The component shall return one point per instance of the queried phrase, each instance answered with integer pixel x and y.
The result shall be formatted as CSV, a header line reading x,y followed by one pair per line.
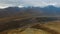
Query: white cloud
x,y
41,3
21,6
21,3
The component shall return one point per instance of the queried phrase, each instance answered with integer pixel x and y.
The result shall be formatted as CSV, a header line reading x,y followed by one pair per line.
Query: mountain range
x,y
33,11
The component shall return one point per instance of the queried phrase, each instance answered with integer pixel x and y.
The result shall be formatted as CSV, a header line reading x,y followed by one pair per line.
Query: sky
x,y
22,3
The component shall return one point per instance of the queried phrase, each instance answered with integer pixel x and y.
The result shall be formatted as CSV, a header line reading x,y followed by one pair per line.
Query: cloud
x,y
41,3
21,3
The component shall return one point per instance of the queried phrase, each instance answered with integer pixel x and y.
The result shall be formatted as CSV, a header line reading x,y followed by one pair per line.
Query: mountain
x,y
33,11
12,18
51,10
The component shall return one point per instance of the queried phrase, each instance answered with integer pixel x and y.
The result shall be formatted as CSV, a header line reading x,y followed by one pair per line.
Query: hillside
x,y
47,28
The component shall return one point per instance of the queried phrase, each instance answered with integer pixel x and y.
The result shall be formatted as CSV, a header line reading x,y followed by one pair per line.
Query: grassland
x,y
29,25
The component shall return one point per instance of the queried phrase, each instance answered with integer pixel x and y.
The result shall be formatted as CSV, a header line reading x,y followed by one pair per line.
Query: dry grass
x,y
55,25
47,28
42,27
